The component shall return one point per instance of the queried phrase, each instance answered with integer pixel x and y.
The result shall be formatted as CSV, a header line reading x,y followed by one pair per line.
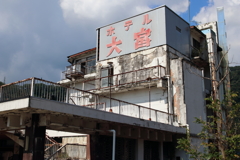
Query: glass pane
x,y
104,73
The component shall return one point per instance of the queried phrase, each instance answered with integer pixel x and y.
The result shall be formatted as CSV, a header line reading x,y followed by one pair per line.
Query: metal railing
x,y
40,88
51,146
196,52
78,70
131,77
69,151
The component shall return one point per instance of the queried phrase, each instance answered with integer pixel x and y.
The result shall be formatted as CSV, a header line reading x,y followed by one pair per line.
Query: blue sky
x,y
195,6
37,36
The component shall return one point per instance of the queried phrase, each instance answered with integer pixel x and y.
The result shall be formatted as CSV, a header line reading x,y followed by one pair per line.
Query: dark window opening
x,y
196,44
86,66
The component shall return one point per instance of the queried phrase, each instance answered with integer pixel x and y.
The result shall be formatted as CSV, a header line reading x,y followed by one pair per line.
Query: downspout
x,y
169,98
169,86
114,141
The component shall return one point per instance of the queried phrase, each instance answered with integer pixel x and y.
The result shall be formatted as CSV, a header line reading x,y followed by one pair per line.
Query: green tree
x,y
235,80
210,137
1,83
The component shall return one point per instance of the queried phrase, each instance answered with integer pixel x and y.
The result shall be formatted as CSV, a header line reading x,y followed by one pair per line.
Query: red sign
x,y
113,46
141,38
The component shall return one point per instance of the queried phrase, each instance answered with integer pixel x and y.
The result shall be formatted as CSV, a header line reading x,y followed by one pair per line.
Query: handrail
x,y
125,73
62,148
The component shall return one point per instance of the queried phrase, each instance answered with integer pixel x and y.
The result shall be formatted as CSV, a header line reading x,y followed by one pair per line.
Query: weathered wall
x,y
75,151
80,140
176,72
135,61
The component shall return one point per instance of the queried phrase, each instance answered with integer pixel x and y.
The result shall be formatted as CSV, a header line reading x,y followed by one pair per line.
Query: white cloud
x,y
37,36
231,11
108,11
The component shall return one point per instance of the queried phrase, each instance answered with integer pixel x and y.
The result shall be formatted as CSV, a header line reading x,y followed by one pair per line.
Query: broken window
x,y
86,65
107,77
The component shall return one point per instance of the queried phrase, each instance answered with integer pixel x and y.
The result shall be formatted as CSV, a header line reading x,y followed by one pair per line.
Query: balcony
x,y
199,57
78,71
133,79
38,88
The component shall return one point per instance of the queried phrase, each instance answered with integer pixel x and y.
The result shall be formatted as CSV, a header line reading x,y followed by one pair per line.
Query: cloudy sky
x,y
37,36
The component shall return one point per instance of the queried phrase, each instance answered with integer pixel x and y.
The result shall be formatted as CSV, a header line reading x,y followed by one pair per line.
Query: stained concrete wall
x,y
75,151
177,90
126,63
134,61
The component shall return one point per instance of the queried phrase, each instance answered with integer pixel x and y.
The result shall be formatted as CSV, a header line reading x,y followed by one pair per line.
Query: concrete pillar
x,y
34,140
140,149
161,150
88,156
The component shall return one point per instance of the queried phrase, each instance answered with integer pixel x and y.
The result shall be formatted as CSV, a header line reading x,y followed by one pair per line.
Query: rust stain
x,y
176,101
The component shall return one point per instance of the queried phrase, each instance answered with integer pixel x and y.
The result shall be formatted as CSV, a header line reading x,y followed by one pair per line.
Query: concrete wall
x,y
134,61
158,99
126,63
177,90
75,151
194,96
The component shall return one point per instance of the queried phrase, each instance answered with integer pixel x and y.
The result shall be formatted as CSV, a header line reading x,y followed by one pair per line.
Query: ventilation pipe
x,y
114,141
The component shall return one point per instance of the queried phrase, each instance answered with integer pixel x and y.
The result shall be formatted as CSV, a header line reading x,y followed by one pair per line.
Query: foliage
x,y
235,80
227,136
1,83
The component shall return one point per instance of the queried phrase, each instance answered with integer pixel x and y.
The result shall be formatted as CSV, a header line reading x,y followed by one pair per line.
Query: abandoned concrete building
x,y
133,95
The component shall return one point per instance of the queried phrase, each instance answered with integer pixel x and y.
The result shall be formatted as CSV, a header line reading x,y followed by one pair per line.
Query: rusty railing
x,y
77,70
128,78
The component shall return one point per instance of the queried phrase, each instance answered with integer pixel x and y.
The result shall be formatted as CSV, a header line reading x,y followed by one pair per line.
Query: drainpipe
x,y
114,141
187,132
169,98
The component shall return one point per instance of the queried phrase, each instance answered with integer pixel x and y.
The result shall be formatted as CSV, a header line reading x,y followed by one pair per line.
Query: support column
x,y
88,156
34,140
161,150
140,149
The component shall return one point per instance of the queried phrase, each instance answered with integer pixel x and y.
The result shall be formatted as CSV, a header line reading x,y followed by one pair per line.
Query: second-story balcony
x,y
135,79
78,71
199,56
42,89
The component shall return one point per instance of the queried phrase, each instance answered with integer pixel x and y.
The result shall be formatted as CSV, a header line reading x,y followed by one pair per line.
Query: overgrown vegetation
x,y
211,136
1,83
235,80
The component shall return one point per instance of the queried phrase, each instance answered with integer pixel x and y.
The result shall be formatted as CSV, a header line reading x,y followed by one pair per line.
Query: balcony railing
x,y
131,77
36,87
78,70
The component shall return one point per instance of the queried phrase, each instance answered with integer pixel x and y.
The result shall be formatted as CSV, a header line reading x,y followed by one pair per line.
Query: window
x,y
178,29
86,65
196,44
107,74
